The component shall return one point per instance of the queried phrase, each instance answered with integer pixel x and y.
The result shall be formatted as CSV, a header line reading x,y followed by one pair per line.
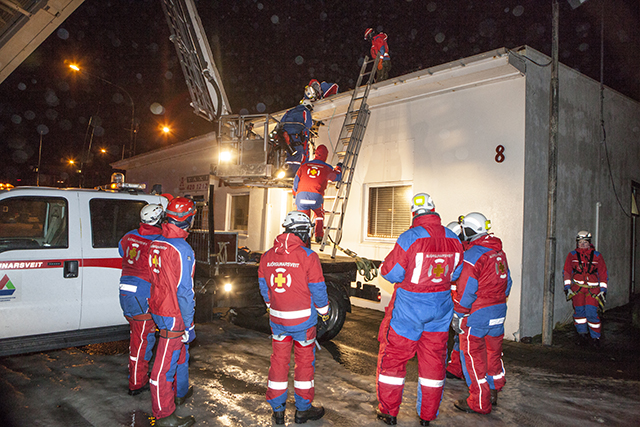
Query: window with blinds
x,y
389,211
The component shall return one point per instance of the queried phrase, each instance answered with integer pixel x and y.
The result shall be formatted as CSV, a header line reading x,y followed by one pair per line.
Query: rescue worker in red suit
x,y
135,289
479,314
585,284
310,184
379,48
172,305
316,91
454,365
294,129
423,263
292,285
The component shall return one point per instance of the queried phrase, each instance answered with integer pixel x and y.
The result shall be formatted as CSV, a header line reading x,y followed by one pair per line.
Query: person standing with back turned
x,y
172,305
423,263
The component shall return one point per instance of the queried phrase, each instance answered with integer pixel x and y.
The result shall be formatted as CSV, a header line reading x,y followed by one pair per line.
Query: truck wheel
x,y
338,313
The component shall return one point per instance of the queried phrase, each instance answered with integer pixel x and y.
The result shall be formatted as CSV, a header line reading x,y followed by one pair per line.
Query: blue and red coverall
x,y
297,123
454,365
292,285
309,186
135,289
481,304
423,263
172,305
326,90
380,48
585,273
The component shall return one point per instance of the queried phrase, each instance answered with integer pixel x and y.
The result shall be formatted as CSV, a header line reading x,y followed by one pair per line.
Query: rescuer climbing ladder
x,y
350,140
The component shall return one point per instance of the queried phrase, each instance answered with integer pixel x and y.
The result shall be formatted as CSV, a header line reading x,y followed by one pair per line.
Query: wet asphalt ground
x,y
561,385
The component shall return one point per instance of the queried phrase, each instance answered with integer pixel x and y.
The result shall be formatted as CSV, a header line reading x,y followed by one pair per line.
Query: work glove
x,y
189,335
455,324
323,325
339,165
602,296
569,293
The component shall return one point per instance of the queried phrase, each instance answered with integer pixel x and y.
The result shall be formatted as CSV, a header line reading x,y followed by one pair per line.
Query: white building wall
x,y
445,145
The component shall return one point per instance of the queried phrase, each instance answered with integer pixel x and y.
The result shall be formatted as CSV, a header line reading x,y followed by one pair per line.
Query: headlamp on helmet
x,y
474,225
421,204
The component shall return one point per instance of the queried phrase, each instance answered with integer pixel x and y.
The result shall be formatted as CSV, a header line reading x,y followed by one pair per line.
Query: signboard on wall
x,y
197,184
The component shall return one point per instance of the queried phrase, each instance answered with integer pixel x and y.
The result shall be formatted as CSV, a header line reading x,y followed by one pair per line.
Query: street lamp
x,y
75,67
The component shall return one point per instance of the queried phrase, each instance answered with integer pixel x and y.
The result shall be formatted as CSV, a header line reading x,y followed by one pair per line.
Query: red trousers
x,y
454,365
395,351
318,219
171,353
482,365
141,341
303,343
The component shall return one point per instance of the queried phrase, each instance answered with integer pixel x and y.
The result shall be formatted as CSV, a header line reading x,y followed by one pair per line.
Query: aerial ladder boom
x,y
208,97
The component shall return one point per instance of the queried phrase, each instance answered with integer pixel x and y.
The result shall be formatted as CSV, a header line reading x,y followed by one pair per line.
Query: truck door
x,y
40,254
110,216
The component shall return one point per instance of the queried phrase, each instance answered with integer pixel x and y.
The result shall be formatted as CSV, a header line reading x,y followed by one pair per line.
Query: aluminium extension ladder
x,y
350,140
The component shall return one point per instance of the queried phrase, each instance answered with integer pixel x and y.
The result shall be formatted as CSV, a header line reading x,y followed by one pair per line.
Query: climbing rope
x,y
366,268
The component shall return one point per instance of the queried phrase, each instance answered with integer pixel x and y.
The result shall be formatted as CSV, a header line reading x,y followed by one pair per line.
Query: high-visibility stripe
x,y
390,380
135,359
128,288
303,385
580,320
567,282
593,325
430,383
152,382
499,376
298,314
307,342
278,385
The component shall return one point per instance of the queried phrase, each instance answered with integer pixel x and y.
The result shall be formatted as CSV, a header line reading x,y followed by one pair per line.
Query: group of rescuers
x,y
455,276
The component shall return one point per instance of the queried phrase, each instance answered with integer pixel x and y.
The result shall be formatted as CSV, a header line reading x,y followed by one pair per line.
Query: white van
x,y
60,267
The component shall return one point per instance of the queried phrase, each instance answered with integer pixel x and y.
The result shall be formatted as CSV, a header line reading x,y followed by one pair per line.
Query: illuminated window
x,y
239,212
389,211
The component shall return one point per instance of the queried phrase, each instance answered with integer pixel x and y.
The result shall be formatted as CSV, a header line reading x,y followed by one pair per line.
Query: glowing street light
x,y
75,67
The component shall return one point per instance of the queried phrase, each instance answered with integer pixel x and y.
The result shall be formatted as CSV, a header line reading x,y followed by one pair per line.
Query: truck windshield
x,y
33,223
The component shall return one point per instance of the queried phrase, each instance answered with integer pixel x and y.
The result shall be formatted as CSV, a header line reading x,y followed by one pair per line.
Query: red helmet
x,y
180,209
368,33
321,153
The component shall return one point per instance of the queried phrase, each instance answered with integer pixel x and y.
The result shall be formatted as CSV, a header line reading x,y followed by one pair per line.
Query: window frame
x,y
365,208
229,212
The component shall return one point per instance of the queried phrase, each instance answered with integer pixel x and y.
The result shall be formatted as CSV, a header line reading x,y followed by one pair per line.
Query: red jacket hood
x,y
171,231
148,230
286,243
489,241
427,220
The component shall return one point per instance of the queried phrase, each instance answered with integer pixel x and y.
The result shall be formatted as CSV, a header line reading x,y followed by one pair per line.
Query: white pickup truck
x,y
60,267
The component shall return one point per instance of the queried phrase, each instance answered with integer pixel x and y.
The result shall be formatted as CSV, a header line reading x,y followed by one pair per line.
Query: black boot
x,y
452,376
494,397
424,422
175,421
595,342
278,417
463,406
137,391
313,413
388,419
180,400
583,339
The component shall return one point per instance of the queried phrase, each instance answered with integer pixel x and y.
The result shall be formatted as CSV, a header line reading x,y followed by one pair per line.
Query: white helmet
x,y
298,223
583,235
474,225
310,93
307,103
456,228
151,214
422,203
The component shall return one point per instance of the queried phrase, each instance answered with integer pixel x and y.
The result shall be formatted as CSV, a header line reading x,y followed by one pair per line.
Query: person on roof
x,y
585,284
310,184
135,289
424,262
316,91
480,309
172,305
293,288
379,49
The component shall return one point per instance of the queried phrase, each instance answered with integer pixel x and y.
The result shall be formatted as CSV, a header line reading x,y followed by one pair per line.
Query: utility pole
x,y
552,189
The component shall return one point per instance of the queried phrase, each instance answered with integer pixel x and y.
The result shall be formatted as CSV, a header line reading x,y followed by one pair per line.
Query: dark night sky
x,y
266,53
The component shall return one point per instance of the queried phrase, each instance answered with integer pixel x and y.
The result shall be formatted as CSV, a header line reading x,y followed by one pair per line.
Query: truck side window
x,y
111,219
34,223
